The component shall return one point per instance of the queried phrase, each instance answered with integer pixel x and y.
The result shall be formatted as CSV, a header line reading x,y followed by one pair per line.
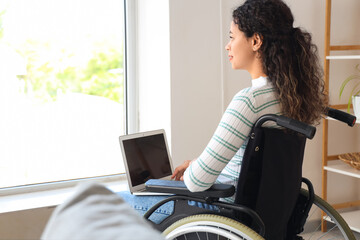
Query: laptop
x,y
146,156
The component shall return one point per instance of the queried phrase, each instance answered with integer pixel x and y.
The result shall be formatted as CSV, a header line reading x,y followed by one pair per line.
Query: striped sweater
x,y
220,162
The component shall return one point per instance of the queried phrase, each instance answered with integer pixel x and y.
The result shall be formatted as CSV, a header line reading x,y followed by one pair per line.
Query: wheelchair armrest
x,y
179,187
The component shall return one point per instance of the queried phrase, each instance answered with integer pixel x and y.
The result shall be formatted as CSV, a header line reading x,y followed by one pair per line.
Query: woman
x,y
287,80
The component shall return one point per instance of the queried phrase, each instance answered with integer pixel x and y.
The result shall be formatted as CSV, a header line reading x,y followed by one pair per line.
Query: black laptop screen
x,y
147,158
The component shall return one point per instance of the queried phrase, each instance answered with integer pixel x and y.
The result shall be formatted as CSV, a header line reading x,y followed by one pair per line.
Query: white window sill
x,y
48,198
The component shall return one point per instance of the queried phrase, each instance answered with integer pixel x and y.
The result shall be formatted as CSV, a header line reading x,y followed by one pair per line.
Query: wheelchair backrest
x,y
270,177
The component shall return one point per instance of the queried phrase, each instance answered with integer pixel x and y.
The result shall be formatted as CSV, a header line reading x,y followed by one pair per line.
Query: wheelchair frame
x,y
254,227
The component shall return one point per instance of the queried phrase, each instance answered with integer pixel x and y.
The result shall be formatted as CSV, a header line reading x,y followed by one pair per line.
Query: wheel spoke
x,y
340,230
219,227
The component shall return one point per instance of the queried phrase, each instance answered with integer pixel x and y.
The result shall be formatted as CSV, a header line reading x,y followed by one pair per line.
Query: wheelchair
x,y
270,202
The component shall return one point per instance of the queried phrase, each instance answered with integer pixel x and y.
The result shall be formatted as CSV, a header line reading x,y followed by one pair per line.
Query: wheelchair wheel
x,y
338,230
208,226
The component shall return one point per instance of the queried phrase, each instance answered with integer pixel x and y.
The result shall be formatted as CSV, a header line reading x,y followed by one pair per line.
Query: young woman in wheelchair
x,y
286,80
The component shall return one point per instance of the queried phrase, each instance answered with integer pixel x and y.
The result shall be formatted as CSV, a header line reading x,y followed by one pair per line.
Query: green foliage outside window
x,y
51,70
100,75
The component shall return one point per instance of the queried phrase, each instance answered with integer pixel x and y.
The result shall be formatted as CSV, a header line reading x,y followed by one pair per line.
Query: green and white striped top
x,y
220,162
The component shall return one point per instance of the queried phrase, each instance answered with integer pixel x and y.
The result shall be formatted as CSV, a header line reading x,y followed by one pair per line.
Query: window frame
x,y
130,76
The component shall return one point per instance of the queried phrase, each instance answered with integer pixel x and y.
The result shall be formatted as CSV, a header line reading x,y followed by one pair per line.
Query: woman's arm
x,y
230,134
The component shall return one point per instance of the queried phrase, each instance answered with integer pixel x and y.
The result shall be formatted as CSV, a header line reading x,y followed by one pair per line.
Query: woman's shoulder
x,y
257,91
267,91
258,98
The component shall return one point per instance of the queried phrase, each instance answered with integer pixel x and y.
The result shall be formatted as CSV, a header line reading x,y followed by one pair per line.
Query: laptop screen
x,y
147,158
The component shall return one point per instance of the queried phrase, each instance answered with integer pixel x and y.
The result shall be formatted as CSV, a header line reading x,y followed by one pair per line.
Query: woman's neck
x,y
256,70
255,76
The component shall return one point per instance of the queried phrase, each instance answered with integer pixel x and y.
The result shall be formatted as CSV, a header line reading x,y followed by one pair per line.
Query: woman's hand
x,y
179,171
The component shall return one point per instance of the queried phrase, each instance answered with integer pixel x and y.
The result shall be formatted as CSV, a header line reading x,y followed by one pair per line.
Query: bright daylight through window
x,y
61,94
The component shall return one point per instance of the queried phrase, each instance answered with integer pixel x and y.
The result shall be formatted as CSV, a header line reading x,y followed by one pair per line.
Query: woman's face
x,y
240,49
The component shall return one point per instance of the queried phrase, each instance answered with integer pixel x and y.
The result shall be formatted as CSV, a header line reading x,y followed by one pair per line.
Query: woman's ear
x,y
256,41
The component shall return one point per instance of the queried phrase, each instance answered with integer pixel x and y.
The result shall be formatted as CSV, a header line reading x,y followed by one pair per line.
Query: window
x,y
62,89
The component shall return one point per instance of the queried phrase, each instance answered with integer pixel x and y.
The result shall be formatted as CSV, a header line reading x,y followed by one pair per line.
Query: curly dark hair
x,y
288,56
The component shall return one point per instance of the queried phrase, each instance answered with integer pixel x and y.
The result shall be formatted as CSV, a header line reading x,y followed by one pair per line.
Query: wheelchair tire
x,y
202,225
340,229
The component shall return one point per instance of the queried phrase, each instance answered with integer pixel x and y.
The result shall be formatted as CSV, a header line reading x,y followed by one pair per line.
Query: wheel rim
x,y
338,230
219,225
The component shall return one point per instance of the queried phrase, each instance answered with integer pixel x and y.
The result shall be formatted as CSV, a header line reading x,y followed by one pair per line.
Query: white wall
x,y
22,225
202,83
196,88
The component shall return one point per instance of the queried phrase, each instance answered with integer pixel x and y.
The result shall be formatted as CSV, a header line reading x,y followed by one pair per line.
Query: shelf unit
x,y
343,57
331,163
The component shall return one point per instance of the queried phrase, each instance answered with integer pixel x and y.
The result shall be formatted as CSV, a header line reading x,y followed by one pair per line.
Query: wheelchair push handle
x,y
297,126
341,116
